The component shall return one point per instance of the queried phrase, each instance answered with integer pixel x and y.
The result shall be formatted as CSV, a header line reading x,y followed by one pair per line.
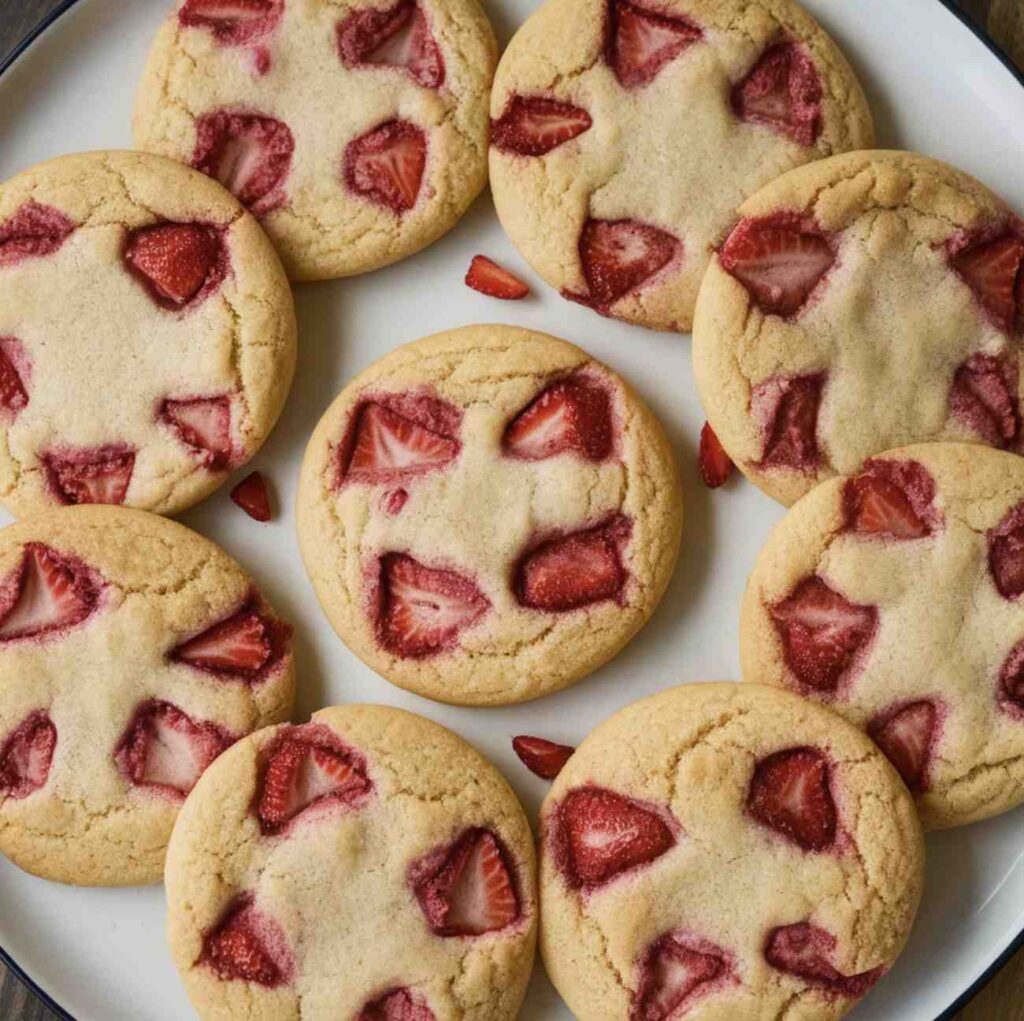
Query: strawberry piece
x,y
787,407
99,475
249,154
204,424
32,232
890,499
487,277
805,950
251,495
574,570
534,125
574,414
674,972
26,756
715,464
782,91
394,500
1011,682
993,268
423,609
598,835
642,41
790,793
166,750
823,634
13,377
396,1005
248,946
386,165
907,735
47,592
1006,554
395,37
984,398
233,22
176,261
467,888
617,256
245,645
545,758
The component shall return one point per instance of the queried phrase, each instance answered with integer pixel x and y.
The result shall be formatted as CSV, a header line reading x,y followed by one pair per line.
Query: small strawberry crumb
x,y
489,278
540,756
715,464
251,495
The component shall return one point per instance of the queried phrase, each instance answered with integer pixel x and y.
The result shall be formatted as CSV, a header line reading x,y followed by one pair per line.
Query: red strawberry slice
x,y
26,756
487,277
617,256
423,609
984,398
823,634
599,835
1011,682
386,444
907,736
674,972
574,570
386,165
534,125
396,1005
394,500
890,499
165,749
396,37
1006,554
467,889
783,92
993,269
790,793
806,951
233,22
251,495
100,475
13,377
176,261
642,41
787,407
248,946
32,232
204,424
715,464
545,758
572,415
249,154
243,646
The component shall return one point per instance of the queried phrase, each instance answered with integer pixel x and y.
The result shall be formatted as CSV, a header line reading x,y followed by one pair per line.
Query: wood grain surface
x,y
1003,998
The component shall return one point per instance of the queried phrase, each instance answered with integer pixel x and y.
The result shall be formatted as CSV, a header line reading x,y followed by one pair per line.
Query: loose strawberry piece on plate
x,y
993,268
396,1005
26,756
783,92
790,793
395,37
822,633
251,495
674,971
890,499
907,736
1006,554
177,261
805,950
244,645
386,165
787,407
233,22
386,444
489,278
574,414
101,475
13,367
203,423
534,125
642,41
1011,682
32,232
423,609
715,464
984,398
545,758
617,256
599,834
248,946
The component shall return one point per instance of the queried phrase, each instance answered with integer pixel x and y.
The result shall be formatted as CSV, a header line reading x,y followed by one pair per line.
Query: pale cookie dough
x,y
725,851
895,597
147,334
488,515
862,303
625,134
132,652
368,865
355,130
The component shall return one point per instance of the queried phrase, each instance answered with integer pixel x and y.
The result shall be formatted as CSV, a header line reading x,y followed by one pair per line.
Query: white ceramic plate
x,y
933,85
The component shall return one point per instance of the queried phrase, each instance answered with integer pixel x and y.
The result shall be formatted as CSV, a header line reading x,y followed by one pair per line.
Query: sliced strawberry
x,y
423,609
251,495
396,37
675,971
599,834
573,414
907,736
249,154
203,423
26,756
545,758
783,92
806,951
890,499
97,475
984,398
1011,682
642,41
617,256
394,500
489,278
993,269
790,793
1006,554
534,125
386,165
248,946
233,22
467,889
396,1005
13,377
823,634
177,261
787,408
32,232
243,646
715,464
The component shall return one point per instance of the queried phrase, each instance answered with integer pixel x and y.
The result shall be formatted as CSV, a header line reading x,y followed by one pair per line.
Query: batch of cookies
x,y
490,514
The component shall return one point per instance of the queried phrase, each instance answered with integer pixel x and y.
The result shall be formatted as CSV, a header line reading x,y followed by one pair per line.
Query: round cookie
x,y
624,134
487,515
862,303
356,131
132,652
147,337
722,851
894,597
369,864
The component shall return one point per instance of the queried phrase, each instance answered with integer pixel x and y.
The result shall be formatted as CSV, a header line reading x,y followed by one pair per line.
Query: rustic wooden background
x,y
1003,998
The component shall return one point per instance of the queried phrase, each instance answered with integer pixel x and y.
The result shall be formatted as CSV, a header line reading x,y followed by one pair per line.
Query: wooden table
x,y
1003,998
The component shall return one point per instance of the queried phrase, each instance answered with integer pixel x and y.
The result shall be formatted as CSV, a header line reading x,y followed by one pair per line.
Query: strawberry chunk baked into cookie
x,y
894,596
869,301
487,515
132,653
624,134
147,334
356,131
725,851
368,864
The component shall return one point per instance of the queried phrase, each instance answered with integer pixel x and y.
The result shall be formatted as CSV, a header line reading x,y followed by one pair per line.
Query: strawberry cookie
x,y
356,130
132,653
725,851
624,134
488,515
368,865
894,596
868,301
147,338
